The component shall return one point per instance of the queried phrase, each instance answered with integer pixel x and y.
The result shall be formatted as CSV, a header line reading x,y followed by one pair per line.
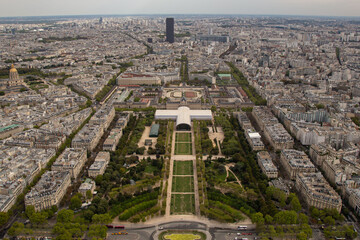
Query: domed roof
x,y
13,69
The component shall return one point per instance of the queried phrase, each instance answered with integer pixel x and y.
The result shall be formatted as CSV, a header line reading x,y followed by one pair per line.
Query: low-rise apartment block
x,y
72,160
263,116
99,165
316,192
103,116
49,191
254,139
88,137
278,137
266,164
112,140
296,162
243,120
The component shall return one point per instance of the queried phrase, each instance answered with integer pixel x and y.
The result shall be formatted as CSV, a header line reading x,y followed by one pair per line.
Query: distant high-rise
x,y
100,20
170,30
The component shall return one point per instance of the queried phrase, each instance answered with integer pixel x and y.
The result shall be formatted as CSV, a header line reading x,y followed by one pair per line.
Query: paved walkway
x,y
227,174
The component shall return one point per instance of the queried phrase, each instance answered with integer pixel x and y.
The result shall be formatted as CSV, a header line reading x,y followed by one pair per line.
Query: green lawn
x,y
183,168
183,137
185,236
183,184
182,204
149,169
183,148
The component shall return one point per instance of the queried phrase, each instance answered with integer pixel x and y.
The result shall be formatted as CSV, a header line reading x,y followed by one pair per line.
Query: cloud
x,y
79,7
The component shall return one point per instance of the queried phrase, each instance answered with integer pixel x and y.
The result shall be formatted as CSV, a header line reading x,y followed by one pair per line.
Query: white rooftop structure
x,y
183,116
254,135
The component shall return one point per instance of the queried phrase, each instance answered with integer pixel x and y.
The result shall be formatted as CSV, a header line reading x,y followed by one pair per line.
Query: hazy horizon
x,y
330,8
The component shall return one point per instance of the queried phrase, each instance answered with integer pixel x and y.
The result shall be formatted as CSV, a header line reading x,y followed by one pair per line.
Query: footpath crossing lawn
x,y
183,168
183,137
183,184
182,204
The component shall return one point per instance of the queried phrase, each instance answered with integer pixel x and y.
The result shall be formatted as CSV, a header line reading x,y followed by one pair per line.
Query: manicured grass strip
x,y
183,168
183,148
182,234
186,236
183,184
183,137
182,204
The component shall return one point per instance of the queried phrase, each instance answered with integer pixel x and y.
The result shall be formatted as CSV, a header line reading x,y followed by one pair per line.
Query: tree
x,y
59,228
16,229
306,229
257,218
29,211
213,108
4,217
38,218
102,206
75,202
2,93
303,218
88,214
64,236
329,221
101,218
286,217
97,231
315,213
295,204
88,194
301,236
268,219
65,216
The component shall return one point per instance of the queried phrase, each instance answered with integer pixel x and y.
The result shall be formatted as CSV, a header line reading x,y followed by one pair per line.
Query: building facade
x,y
49,191
170,38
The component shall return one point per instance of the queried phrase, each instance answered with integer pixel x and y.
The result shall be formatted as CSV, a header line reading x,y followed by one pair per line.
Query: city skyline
x,y
143,7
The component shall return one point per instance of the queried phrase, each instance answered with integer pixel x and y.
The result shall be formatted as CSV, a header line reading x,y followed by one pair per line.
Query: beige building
x,y
316,192
266,164
263,116
138,79
88,137
103,116
88,185
318,153
99,165
49,191
112,140
72,160
254,139
9,130
278,137
295,162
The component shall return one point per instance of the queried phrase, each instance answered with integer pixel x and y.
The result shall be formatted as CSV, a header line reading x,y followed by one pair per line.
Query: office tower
x,y
170,30
100,20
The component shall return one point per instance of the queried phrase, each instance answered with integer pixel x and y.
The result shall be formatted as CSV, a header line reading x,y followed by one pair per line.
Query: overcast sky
x,y
83,7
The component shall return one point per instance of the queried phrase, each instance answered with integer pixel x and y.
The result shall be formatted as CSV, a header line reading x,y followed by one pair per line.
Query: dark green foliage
x,y
250,90
75,202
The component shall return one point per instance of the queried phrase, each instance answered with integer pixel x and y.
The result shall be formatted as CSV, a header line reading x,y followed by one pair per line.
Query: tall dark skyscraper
x,y
170,30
